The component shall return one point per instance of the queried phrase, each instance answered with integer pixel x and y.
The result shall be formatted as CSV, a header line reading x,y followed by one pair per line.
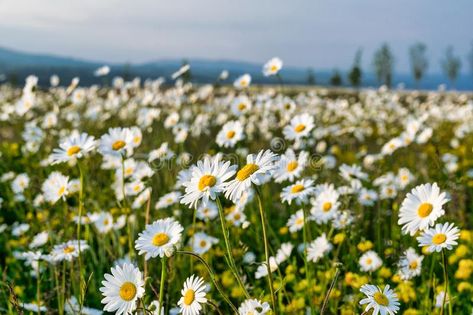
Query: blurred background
x,y
420,44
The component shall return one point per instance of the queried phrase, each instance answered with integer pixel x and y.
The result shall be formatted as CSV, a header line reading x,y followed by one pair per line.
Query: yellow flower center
x,y
439,238
160,239
381,299
117,145
241,106
237,216
203,243
369,261
127,291
61,190
413,265
68,249
292,166
299,221
73,150
189,297
244,83
207,181
297,188
404,178
246,171
424,209
299,128
230,134
274,68
106,222
327,206
137,188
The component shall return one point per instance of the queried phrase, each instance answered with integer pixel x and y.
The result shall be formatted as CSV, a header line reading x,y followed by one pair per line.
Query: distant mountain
x,y
15,66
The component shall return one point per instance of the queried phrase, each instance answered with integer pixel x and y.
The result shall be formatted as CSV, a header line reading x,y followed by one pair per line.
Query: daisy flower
x,y
255,171
73,147
272,67
300,191
300,126
296,221
254,307
116,142
370,261
55,187
231,133
241,105
68,251
159,238
201,242
439,237
122,289
350,172
242,82
410,264
318,248
289,166
325,205
208,179
381,301
193,296
168,200
207,211
421,208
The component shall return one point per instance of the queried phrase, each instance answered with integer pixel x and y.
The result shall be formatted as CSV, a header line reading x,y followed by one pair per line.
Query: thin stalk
x,y
212,277
446,290
79,222
228,247
38,288
266,251
148,205
306,264
327,295
161,284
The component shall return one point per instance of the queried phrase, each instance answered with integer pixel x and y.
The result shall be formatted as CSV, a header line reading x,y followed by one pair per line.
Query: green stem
x,y
306,264
447,287
79,222
266,251
228,247
38,288
161,284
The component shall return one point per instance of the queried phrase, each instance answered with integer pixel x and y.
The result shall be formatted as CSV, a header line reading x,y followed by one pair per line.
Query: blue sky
x,y
319,34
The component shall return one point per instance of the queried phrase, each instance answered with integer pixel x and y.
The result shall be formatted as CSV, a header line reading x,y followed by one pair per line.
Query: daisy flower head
x,y
257,169
73,147
381,301
122,289
370,261
299,127
242,82
272,67
193,296
68,251
209,178
55,187
290,166
207,211
254,307
159,238
116,142
231,133
439,237
296,221
421,208
351,172
300,191
410,264
325,205
241,105
318,248
201,242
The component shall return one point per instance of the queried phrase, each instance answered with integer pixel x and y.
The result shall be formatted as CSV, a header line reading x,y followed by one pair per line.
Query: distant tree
x,y
383,63
126,75
451,65
336,79
355,74
186,76
311,77
470,59
419,62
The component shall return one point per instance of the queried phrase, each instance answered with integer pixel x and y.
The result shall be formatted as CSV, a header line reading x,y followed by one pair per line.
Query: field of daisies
x,y
159,197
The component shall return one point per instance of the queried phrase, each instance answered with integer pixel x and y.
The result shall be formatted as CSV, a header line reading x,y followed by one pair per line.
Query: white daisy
x,y
207,211
168,200
254,307
318,248
73,147
242,82
370,261
201,242
255,171
421,208
230,134
325,205
439,237
410,264
68,251
193,296
300,191
208,179
241,105
116,142
300,126
272,67
122,289
159,238
381,301
289,166
296,221
55,187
